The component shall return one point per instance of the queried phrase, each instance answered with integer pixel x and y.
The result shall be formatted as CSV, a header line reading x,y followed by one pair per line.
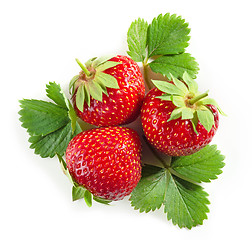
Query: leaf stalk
x,y
146,77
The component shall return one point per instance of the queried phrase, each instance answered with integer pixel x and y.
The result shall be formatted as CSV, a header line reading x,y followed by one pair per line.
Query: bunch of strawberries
x,y
104,162
107,160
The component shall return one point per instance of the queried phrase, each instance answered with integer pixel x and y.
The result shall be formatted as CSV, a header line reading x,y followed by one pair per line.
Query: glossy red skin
x,y
123,105
176,137
106,161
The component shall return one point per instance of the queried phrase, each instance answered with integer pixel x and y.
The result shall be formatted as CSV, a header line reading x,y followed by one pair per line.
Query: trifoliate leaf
x,y
201,166
167,87
167,38
167,34
51,126
41,117
175,65
80,97
206,118
150,191
137,39
185,203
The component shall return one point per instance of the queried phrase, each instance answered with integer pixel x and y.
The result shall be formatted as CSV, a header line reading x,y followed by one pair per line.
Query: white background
x,y
39,42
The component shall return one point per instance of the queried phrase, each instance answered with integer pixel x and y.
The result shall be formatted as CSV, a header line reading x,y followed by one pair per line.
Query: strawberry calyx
x,y
92,81
79,191
189,102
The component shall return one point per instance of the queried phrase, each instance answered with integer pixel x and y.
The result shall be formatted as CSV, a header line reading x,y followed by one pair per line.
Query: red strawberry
x,y
177,119
106,161
108,93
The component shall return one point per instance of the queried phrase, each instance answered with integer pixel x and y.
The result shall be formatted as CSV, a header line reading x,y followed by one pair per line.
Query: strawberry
x,y
108,92
177,119
106,161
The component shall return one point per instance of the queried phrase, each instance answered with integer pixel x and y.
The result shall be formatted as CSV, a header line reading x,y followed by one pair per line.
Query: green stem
x,y
162,161
83,67
145,73
197,98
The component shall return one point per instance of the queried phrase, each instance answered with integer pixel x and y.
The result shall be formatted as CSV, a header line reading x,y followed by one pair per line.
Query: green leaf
x,y
55,93
88,198
185,203
137,40
202,166
167,34
175,65
106,65
107,80
150,191
41,117
206,118
52,143
80,98
50,126
78,192
167,87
